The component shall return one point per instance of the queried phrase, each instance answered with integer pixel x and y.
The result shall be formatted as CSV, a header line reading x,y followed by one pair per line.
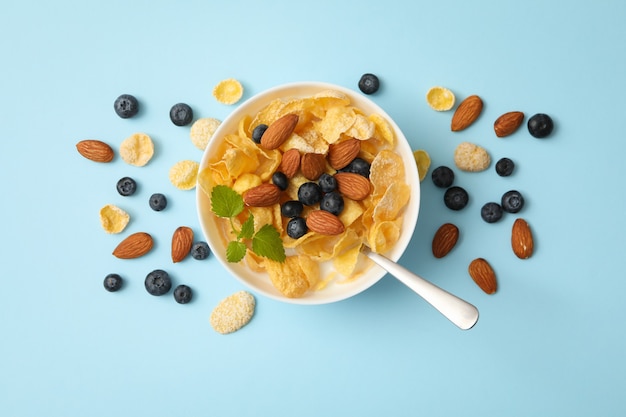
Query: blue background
x,y
549,342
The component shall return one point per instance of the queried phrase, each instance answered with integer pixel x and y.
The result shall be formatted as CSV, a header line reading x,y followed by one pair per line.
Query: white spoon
x,y
463,314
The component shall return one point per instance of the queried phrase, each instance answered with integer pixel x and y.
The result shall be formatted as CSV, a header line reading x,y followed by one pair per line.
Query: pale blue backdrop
x,y
550,342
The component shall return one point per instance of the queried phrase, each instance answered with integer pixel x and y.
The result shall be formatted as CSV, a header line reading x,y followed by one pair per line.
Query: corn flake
x,y
113,219
184,174
137,149
386,168
228,91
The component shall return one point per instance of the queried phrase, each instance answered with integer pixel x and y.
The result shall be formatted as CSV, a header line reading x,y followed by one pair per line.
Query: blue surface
x,y
551,341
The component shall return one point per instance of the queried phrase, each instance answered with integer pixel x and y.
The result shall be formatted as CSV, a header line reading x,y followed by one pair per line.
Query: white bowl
x,y
260,283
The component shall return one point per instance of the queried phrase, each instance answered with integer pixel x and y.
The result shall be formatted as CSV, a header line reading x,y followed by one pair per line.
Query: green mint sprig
x,y
266,242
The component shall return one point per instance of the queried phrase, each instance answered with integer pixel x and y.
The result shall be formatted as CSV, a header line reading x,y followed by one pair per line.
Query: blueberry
x,y
112,282
158,202
296,228
327,182
258,131
292,208
540,125
512,201
504,167
332,202
181,114
358,166
309,193
280,180
126,186
182,294
491,212
442,177
158,282
126,106
455,198
200,250
369,84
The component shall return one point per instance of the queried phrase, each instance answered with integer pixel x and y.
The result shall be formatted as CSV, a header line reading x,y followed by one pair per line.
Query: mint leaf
x,y
225,202
247,228
266,242
235,251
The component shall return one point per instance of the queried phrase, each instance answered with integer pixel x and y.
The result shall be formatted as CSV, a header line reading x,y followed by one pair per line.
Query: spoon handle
x,y
463,314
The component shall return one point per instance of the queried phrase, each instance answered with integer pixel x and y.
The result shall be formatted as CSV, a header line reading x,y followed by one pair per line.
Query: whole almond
x,y
182,239
263,195
342,153
508,123
324,223
445,239
354,186
467,112
522,239
95,150
290,164
483,275
312,165
279,131
134,246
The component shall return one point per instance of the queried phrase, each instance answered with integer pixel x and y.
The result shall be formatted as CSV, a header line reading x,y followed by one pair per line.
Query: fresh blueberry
x,y
158,202
512,201
369,84
296,228
182,294
540,125
280,180
112,282
327,182
332,202
158,282
181,114
455,198
126,106
358,166
504,167
257,132
309,193
200,250
491,212
126,186
292,208
442,177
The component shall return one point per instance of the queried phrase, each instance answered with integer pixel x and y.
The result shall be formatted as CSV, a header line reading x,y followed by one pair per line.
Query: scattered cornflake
x,y
440,98
422,159
228,91
113,219
202,131
184,174
233,312
137,149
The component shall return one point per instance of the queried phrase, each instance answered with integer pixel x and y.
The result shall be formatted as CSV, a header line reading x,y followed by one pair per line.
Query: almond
x,y
467,112
508,123
324,223
182,239
290,163
522,239
95,150
483,275
444,240
312,165
354,186
134,246
342,153
279,131
263,195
